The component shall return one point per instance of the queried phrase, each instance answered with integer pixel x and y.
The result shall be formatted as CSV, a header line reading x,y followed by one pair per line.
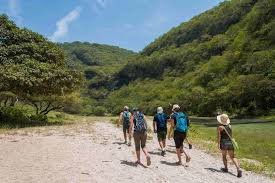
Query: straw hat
x,y
175,106
223,119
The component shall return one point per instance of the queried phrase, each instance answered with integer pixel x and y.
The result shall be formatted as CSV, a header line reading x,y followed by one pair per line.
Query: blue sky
x,y
130,24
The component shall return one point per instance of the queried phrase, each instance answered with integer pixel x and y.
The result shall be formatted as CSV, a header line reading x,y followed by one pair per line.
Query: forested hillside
x,y
223,59
98,62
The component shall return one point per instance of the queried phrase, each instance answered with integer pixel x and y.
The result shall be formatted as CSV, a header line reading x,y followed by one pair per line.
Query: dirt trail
x,y
94,153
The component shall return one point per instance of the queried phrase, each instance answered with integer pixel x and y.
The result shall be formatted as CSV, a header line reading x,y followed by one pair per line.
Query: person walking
x,y
225,143
124,119
139,123
179,122
160,127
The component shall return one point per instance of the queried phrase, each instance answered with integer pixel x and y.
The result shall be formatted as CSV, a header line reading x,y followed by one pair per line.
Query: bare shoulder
x,y
220,128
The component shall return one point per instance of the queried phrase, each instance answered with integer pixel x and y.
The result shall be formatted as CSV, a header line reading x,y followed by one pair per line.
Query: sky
x,y
130,24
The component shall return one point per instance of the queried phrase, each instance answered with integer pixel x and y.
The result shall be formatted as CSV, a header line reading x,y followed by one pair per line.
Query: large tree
x,y
32,67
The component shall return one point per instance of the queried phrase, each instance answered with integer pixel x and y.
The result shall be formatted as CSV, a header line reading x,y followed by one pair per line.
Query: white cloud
x,y
63,24
14,11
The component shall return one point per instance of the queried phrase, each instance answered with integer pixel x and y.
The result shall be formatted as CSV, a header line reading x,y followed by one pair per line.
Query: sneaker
x,y
188,159
129,144
190,146
240,173
162,153
224,170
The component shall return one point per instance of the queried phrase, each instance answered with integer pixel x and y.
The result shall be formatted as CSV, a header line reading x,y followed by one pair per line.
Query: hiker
x,y
186,138
139,122
160,127
179,122
225,143
124,118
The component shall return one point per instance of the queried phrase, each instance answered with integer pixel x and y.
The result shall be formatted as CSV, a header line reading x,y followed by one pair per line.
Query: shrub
x,y
99,111
39,118
13,116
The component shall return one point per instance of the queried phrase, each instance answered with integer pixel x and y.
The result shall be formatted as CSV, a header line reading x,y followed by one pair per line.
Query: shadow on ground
x,y
216,170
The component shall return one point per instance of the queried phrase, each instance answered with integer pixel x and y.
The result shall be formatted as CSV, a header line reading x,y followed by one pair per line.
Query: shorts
x,y
162,135
226,144
140,140
179,137
126,128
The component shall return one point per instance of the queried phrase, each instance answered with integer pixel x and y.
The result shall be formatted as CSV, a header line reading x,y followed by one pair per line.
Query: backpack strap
x,y
227,133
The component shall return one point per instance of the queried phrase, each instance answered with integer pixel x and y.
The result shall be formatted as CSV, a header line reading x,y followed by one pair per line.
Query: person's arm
x,y
145,120
155,125
131,123
219,137
119,120
172,125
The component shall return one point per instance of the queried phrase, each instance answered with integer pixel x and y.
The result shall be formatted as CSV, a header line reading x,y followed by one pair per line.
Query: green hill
x,y
98,62
223,59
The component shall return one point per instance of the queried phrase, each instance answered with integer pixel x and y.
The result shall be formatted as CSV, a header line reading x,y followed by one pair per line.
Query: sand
x,y
93,152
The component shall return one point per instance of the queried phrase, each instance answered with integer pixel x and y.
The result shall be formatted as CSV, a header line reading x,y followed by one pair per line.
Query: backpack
x,y
181,119
161,121
126,117
140,124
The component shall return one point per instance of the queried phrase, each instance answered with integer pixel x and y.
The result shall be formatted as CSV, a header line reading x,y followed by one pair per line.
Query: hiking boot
x,y
162,153
129,144
224,170
190,146
240,173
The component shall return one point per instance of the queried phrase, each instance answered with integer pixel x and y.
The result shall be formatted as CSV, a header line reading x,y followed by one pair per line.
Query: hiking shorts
x,y
162,135
179,137
226,144
140,140
126,128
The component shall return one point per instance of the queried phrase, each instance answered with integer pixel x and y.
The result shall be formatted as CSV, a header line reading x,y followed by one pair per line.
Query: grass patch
x,y
256,141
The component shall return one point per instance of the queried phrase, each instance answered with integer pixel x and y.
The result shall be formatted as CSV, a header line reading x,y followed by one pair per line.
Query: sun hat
x,y
175,106
223,119
159,110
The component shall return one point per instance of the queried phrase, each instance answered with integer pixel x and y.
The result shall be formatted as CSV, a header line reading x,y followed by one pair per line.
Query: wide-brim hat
x,y
175,106
223,119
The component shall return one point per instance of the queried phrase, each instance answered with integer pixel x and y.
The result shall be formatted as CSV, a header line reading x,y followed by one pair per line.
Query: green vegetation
x,y
223,59
32,71
253,144
99,62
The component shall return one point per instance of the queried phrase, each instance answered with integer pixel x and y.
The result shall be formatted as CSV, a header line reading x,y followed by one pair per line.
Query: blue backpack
x,y
126,117
161,121
140,124
181,119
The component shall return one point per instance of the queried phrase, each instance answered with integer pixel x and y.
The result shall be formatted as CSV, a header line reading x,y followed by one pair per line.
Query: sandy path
x,y
94,153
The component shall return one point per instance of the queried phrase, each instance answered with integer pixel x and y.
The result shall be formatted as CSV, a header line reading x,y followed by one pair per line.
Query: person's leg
x,y
188,142
160,141
178,146
143,146
224,154
236,163
124,134
184,151
129,136
137,145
